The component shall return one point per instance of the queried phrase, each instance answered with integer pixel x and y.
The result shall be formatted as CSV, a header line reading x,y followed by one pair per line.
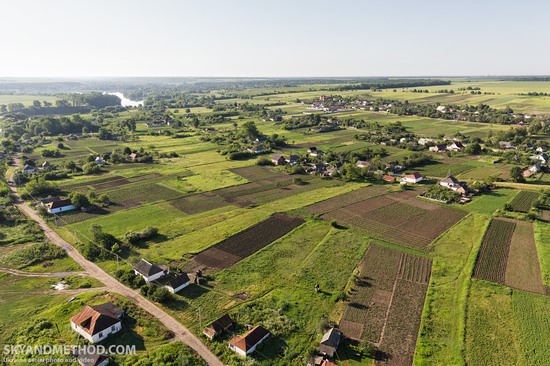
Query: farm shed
x,y
329,342
218,326
178,283
278,159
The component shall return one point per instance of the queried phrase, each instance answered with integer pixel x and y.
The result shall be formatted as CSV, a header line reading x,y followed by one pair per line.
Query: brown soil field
x,y
523,268
385,306
399,217
110,184
239,246
399,339
346,199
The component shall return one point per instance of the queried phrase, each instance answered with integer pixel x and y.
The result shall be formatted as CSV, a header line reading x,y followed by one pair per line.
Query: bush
x,y
34,254
297,169
264,161
133,237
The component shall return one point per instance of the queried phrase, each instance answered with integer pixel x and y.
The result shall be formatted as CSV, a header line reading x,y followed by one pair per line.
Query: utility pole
x,y
200,317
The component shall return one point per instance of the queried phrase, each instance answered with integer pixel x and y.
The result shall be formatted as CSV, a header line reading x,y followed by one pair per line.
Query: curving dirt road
x,y
17,272
180,331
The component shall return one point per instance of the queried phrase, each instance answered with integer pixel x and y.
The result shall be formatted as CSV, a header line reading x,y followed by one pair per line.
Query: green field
x,y
299,284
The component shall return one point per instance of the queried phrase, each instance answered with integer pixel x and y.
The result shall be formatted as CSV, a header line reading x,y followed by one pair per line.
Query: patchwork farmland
x,y
508,256
247,242
386,303
396,217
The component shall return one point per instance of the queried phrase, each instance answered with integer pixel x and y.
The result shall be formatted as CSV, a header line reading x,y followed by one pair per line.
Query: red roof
x,y
250,339
414,175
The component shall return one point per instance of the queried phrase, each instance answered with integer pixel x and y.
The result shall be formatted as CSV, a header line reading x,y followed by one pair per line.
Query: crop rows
x,y
493,255
524,200
247,242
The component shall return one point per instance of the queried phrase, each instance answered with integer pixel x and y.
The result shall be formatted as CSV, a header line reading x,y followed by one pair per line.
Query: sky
x,y
282,38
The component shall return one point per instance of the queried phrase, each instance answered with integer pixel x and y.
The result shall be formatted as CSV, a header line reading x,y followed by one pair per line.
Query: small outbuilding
x,y
178,283
218,326
329,342
278,159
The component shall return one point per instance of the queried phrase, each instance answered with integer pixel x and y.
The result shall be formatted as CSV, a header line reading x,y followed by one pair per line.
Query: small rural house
x,y
533,169
542,149
46,165
28,169
543,158
149,272
99,160
312,151
454,184
133,156
92,359
449,181
278,159
247,343
293,159
179,282
329,342
218,326
61,205
505,145
455,146
95,323
257,149
364,164
438,148
412,178
389,178
424,140
441,109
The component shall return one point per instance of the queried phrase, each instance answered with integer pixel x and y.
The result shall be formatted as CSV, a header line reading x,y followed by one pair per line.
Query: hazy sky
x,y
273,38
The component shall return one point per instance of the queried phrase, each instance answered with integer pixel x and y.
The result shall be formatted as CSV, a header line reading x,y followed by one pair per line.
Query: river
x,y
125,102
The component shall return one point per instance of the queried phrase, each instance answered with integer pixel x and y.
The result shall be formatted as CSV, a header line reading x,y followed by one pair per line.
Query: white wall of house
x,y
243,353
154,277
174,290
99,336
411,180
62,209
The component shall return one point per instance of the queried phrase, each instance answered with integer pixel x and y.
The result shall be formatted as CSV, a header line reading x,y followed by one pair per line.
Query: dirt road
x,y
180,331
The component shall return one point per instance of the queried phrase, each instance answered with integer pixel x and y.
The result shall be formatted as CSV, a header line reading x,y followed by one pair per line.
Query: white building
x,y
246,344
95,323
60,206
149,272
412,178
178,283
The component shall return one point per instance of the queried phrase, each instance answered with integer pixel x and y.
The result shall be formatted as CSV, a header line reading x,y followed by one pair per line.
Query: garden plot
x,y
239,246
385,306
397,217
508,256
